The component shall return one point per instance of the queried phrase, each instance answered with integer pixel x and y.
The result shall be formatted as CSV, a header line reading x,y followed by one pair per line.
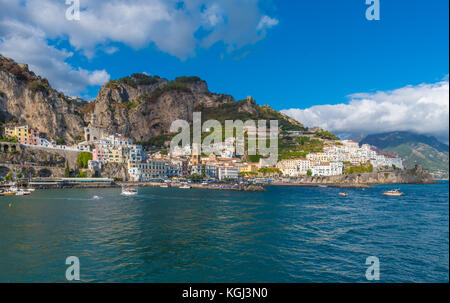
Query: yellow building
x,y
24,134
249,168
118,155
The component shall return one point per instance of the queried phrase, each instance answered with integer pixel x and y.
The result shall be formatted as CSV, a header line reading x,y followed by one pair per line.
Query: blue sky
x,y
320,52
288,54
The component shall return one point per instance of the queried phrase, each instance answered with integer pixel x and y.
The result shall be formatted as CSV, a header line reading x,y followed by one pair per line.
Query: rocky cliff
x,y
414,175
142,106
414,149
28,99
139,106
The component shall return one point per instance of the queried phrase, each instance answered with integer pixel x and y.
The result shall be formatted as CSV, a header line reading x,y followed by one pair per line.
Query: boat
x,y
343,194
8,193
323,186
31,189
129,191
164,185
394,192
20,193
185,186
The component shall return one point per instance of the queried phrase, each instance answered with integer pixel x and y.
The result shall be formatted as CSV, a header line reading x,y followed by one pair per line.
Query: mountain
x,y
139,106
426,151
28,98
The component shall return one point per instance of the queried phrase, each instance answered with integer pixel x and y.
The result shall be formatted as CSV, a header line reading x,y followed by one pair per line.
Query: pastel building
x,y
24,134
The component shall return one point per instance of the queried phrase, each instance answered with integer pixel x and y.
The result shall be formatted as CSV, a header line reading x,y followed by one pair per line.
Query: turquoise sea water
x,y
287,234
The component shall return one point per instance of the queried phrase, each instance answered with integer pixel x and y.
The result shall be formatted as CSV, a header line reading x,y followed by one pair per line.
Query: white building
x,y
294,167
45,143
227,172
327,168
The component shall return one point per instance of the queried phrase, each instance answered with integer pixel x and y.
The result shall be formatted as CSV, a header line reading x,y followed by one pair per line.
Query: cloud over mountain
x,y
172,26
423,109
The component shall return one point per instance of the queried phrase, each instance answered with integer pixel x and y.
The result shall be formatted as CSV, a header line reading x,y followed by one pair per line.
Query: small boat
x,y
20,193
8,193
164,185
323,186
129,191
96,198
31,189
343,194
185,186
394,192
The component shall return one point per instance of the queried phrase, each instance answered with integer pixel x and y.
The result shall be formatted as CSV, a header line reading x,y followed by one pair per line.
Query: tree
x,y
83,159
67,171
60,141
195,177
309,173
8,177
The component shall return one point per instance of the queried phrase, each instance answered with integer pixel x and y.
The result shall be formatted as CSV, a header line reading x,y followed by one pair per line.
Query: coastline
x,y
252,188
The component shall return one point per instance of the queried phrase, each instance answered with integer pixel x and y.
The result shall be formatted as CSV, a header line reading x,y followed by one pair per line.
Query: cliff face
x,y
414,175
144,111
139,106
414,149
28,99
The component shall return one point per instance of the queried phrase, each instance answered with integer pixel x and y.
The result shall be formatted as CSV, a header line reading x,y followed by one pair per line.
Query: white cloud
x,y
103,25
28,45
266,22
139,23
422,109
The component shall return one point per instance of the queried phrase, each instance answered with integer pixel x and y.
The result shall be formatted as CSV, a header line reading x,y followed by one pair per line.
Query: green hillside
x,y
414,149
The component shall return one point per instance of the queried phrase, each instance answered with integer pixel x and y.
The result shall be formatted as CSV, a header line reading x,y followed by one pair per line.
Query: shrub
x,y
38,86
60,141
8,177
82,174
326,135
83,159
185,79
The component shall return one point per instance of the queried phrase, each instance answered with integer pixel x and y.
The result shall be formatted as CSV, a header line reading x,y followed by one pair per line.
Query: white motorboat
x,y
393,193
20,192
164,185
129,191
185,186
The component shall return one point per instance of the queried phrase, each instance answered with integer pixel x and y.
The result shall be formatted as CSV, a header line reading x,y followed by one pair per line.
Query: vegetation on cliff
x,y
414,149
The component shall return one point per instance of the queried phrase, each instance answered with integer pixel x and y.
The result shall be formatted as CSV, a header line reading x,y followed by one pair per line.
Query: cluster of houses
x,y
28,136
331,161
183,162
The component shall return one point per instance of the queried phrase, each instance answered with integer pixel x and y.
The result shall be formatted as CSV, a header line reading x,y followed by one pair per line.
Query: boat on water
x,y
164,185
343,194
323,186
20,193
185,186
7,193
14,191
394,193
129,191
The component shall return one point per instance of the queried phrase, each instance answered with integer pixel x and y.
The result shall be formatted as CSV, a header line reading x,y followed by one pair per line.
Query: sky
x,y
321,62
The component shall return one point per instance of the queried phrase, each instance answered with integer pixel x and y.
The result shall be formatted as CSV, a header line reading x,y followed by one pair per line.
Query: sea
x,y
286,234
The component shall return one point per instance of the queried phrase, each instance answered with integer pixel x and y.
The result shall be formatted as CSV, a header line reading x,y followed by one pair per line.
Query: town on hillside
x,y
333,157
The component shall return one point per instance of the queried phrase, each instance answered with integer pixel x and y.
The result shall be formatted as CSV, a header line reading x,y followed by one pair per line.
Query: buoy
x,y
10,204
